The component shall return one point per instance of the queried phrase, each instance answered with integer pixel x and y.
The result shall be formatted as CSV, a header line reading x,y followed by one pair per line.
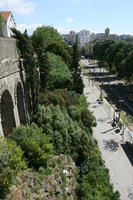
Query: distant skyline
x,y
67,15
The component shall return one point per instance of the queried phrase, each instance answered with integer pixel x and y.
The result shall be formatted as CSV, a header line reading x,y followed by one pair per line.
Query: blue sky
x,y
66,15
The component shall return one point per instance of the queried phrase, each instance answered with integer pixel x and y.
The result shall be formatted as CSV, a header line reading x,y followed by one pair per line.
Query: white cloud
x,y
63,30
29,27
32,27
22,7
69,19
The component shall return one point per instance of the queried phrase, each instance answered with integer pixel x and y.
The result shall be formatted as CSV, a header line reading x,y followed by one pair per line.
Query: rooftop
x,y
5,15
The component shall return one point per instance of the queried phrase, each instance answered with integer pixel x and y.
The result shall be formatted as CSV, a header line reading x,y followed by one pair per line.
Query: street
x,y
110,142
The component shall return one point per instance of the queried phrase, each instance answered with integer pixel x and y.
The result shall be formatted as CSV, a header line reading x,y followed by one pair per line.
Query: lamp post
x,y
120,105
101,94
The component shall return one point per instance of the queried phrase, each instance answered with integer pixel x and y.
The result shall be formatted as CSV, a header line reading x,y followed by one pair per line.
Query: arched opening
x,y
7,113
21,104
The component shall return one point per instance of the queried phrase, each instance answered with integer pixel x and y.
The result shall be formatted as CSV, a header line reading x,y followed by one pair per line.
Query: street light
x,y
120,104
101,93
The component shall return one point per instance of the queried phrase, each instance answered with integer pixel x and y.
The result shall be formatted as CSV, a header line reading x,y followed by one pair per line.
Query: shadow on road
x,y
114,91
129,151
110,145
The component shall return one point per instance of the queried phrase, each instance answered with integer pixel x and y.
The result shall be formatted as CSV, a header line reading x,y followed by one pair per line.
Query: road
x,y
110,142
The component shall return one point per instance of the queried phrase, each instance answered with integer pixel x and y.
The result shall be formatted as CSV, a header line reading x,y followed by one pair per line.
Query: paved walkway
x,y
120,168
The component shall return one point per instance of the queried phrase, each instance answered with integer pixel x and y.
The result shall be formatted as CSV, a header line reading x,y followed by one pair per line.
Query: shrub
x,y
59,76
35,144
11,162
82,115
67,136
95,182
61,97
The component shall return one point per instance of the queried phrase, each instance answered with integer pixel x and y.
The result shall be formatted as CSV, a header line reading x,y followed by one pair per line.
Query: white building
x,y
83,37
7,24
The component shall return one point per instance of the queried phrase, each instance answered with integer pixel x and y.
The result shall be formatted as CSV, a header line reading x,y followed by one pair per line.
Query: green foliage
x,y
59,76
11,162
44,68
60,49
43,36
95,183
67,136
35,144
82,115
100,48
75,104
26,51
1,24
78,83
126,69
63,98
117,54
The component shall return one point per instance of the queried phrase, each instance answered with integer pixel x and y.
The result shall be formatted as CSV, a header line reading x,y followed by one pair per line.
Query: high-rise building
x,y
83,37
66,38
72,37
107,31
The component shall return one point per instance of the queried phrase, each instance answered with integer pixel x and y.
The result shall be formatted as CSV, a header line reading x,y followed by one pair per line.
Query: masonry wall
x,y
8,49
10,75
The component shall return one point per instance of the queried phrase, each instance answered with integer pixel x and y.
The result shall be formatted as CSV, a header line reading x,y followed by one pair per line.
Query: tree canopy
x,y
43,36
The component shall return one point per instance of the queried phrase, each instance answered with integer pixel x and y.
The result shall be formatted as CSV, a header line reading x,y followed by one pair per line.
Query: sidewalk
x,y
120,168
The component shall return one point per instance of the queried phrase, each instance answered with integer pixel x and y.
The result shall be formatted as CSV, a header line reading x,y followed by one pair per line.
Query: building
x,y
83,37
114,36
8,22
123,37
72,37
99,36
107,31
92,36
66,38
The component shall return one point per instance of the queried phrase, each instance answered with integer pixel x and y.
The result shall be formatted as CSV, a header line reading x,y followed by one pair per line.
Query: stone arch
x,y
20,101
7,112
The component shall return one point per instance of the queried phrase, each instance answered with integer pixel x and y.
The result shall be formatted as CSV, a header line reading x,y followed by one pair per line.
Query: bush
x,y
82,115
11,162
61,49
67,136
61,97
95,182
35,144
75,104
59,75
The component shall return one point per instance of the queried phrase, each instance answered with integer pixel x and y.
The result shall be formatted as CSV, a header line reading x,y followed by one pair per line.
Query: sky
x,y
66,15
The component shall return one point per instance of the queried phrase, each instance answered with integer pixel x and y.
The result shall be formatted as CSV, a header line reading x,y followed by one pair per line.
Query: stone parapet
x,y
8,48
8,67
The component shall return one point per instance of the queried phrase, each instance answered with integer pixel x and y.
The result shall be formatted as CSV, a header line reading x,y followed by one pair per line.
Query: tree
x,y
122,51
100,48
67,136
59,48
11,163
44,68
78,82
59,75
126,69
34,143
1,24
26,52
43,36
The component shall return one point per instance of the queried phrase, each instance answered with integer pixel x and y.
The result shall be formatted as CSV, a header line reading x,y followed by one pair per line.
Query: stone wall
x,y
11,76
8,49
